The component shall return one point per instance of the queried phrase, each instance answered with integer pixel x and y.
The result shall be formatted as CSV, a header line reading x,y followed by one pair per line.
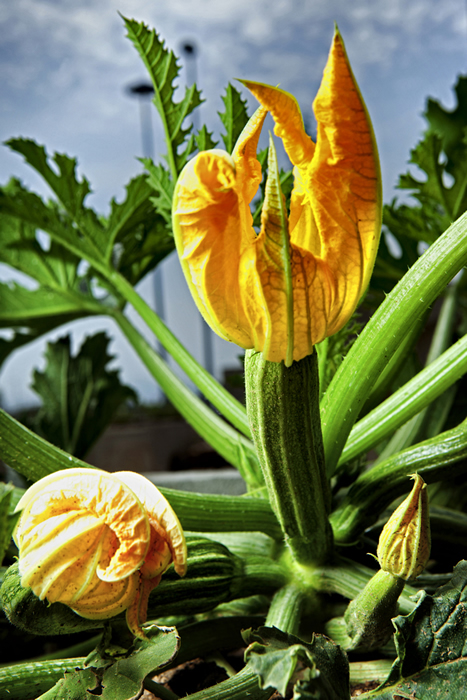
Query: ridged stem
x,y
283,410
286,609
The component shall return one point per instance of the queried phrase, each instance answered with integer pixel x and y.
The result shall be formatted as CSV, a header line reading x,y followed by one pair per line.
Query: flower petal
x,y
88,492
159,510
335,211
342,188
288,118
266,275
213,228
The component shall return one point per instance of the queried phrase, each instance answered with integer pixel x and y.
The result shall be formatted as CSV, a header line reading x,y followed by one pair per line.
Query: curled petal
x,y
97,499
165,525
213,228
106,599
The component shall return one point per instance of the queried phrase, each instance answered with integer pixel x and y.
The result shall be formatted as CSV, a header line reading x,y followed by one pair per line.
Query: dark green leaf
x,y
163,71
29,208
318,669
76,685
163,187
124,678
7,519
79,394
431,647
234,118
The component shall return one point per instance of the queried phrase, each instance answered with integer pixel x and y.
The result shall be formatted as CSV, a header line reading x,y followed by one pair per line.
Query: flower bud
x,y
404,544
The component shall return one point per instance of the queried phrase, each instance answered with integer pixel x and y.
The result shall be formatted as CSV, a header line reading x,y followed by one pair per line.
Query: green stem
x,y
440,341
227,441
27,680
409,400
286,609
228,406
374,490
217,513
361,671
283,409
348,578
379,340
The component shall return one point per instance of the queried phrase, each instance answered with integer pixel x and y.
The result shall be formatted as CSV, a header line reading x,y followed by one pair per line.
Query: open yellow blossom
x,y
97,542
300,279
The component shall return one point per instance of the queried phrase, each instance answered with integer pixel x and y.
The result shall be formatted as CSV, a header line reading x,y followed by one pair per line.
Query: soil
x,y
196,675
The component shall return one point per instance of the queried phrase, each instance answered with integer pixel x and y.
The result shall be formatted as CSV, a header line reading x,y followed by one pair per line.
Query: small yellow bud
x,y
404,544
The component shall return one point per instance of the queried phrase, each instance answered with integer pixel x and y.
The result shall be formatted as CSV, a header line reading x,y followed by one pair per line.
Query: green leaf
x,y
79,394
430,643
79,684
70,191
7,519
29,208
139,231
318,669
204,139
159,179
163,71
124,678
234,118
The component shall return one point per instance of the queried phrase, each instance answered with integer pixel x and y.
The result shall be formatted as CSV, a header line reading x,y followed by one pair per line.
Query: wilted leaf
x,y
318,669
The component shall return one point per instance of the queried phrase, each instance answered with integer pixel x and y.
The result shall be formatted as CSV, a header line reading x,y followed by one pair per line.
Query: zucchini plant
x,y
339,414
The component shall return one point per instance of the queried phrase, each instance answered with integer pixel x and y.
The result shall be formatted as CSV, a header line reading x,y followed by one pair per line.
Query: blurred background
x,y
71,80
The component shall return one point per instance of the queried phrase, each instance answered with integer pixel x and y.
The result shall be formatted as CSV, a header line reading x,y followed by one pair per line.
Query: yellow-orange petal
x,y
288,118
336,206
107,598
159,509
266,275
335,211
94,494
211,233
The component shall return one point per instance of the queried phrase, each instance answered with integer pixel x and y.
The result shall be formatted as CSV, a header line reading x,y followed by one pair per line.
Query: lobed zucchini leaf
x,y
79,394
234,118
163,70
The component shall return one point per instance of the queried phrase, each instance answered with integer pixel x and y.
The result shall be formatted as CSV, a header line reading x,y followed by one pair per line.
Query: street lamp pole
x,y
144,92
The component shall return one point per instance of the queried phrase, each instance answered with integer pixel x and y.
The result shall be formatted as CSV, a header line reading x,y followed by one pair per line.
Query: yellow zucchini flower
x,y
97,542
300,279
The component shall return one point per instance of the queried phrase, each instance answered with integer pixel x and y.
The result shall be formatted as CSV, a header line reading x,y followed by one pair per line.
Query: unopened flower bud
x,y
404,544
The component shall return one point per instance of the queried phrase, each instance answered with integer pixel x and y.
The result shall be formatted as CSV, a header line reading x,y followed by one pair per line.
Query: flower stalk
x,y
283,409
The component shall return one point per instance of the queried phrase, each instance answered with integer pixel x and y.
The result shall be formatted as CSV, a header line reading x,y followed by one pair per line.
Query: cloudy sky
x,y
65,66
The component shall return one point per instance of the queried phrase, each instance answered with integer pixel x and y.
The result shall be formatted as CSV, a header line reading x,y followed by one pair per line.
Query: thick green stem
x,y
286,609
368,617
407,401
348,578
381,337
283,410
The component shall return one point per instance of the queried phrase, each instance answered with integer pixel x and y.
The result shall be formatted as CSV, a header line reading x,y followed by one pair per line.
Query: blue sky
x,y
65,64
